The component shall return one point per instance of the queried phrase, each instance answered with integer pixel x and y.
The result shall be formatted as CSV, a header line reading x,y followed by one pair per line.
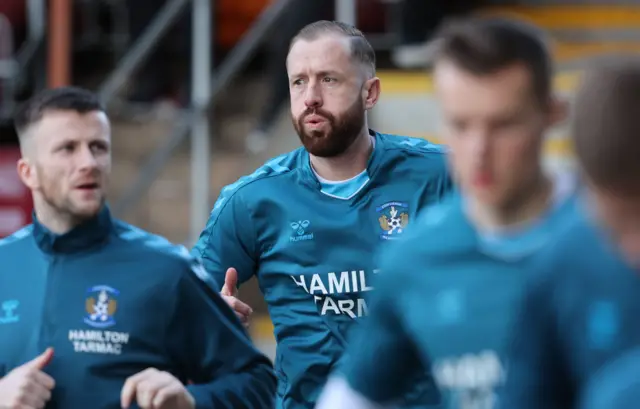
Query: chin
x,y
489,197
87,210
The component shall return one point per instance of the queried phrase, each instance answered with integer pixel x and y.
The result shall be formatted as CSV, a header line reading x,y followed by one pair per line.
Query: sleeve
x,y
444,183
213,350
538,376
439,183
338,394
228,239
382,365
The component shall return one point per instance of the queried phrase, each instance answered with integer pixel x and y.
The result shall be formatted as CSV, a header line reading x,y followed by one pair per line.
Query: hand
x,y
154,389
27,387
230,292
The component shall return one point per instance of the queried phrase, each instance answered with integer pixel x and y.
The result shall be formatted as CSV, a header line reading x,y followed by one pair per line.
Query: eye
x,y
99,147
329,79
458,124
68,147
507,123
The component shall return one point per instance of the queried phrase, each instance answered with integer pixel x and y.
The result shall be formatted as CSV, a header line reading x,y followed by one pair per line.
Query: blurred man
x,y
615,386
582,312
97,313
308,223
448,288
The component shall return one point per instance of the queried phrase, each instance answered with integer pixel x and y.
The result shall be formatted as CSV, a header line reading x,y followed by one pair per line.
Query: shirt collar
x,y
84,236
372,165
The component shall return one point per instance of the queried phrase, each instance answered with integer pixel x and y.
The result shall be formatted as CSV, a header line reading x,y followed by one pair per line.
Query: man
x,y
615,386
448,288
581,314
308,223
97,313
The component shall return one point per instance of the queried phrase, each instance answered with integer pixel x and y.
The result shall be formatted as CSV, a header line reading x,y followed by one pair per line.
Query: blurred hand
x,y
154,389
27,386
230,292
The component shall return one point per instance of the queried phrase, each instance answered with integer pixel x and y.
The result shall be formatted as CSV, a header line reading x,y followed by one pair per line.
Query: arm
x,y
382,364
441,180
444,183
438,186
537,374
214,350
228,240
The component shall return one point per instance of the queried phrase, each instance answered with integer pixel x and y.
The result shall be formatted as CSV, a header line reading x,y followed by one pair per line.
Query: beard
x,y
343,130
51,193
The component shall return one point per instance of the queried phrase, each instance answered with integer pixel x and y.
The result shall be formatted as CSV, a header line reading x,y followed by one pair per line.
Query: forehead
x,y
56,125
326,53
462,91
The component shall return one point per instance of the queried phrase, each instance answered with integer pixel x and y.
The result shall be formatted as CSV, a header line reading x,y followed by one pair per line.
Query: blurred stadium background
x,y
193,87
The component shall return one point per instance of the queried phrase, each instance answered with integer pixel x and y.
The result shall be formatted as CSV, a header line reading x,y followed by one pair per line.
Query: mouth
x,y
315,120
483,179
88,186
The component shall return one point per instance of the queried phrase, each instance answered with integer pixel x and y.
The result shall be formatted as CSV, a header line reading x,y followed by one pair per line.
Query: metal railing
x,y
143,47
8,67
346,11
206,88
14,62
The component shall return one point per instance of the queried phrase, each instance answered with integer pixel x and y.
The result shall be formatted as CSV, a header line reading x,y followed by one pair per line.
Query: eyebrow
x,y
328,72
318,74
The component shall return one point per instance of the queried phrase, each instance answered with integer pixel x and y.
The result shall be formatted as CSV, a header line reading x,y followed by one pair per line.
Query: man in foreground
x,y
309,223
580,316
97,313
447,290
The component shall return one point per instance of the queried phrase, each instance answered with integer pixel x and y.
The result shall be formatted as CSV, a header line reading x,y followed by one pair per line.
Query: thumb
x,y
230,282
42,360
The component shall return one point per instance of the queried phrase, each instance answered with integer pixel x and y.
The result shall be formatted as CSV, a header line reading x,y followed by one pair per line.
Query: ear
x,y
28,174
558,111
371,92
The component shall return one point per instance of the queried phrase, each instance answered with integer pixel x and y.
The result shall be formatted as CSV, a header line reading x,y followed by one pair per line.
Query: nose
x,y
481,143
87,158
313,97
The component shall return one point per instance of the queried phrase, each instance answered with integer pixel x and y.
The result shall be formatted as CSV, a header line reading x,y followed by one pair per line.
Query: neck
x,y
55,221
522,209
350,163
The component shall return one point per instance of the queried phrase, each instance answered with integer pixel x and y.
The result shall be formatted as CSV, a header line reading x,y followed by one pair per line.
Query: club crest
x,y
393,219
100,306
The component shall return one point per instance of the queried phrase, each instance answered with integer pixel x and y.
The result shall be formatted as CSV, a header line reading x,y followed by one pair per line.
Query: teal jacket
x,y
312,248
113,300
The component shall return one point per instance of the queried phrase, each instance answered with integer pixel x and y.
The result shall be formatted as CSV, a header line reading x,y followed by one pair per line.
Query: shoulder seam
x,y
24,231
257,179
162,244
426,146
240,187
417,150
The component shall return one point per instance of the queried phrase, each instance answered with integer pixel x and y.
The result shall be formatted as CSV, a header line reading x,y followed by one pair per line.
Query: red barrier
x,y
15,10
16,204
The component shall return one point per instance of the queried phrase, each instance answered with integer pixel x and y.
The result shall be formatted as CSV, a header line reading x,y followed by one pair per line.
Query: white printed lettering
x,y
346,307
302,283
354,280
471,379
363,280
363,310
338,287
329,304
98,342
324,286
317,285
